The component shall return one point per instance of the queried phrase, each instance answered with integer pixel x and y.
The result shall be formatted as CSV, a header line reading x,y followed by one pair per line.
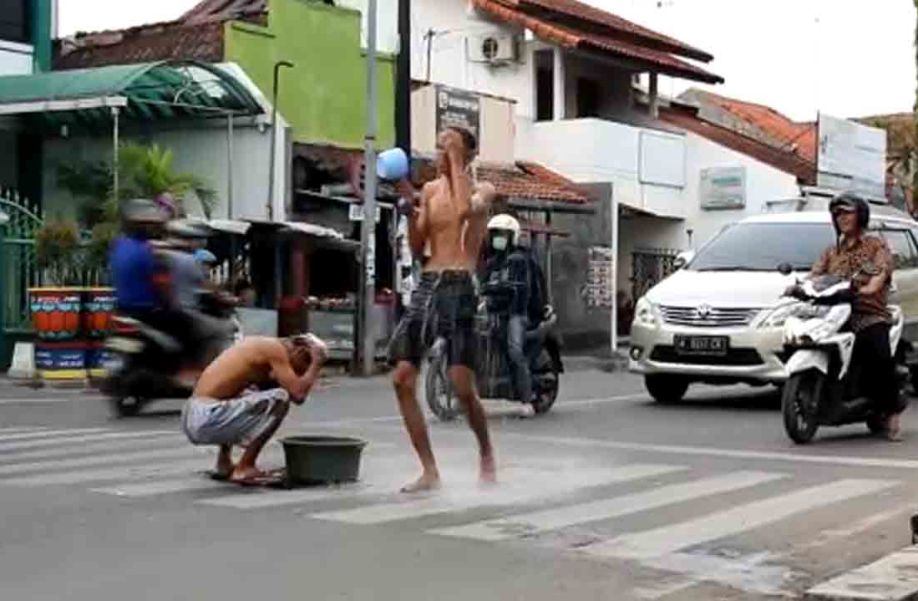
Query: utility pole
x,y
368,226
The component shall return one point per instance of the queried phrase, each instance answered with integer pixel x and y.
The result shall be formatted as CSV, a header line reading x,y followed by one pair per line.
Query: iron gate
x,y
18,266
648,267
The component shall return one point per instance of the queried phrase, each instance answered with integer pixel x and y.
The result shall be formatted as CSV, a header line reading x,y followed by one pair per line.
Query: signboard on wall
x,y
458,108
598,290
851,156
723,188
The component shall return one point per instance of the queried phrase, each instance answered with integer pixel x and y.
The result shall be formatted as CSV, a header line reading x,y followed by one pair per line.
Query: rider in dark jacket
x,y
507,283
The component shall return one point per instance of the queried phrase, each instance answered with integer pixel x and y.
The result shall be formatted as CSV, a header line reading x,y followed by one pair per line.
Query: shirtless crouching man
x,y
451,217
226,408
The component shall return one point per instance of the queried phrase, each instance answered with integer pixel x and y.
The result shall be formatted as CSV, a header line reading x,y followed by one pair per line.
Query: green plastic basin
x,y
322,459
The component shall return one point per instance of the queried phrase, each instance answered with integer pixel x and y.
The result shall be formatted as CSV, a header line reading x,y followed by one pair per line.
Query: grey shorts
x,y
230,422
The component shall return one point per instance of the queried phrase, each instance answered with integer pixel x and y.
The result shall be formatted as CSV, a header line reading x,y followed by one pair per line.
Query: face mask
x,y
499,243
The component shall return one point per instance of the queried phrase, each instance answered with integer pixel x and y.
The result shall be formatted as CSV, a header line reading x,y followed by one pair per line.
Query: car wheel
x,y
666,389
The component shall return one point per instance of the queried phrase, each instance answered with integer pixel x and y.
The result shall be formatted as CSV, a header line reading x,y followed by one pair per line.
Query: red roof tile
x,y
563,33
161,41
614,25
197,35
224,10
786,161
531,181
788,134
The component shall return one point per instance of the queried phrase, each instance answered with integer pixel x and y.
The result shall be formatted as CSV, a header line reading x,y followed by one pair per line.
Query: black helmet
x,y
851,201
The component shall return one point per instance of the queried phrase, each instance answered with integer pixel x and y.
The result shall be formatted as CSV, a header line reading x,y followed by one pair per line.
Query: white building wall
x,y
199,151
386,23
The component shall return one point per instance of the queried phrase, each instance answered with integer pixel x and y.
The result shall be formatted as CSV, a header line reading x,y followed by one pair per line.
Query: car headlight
x,y
645,312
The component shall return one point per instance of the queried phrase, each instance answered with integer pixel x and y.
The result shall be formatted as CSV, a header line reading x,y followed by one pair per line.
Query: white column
x,y
559,78
613,338
654,104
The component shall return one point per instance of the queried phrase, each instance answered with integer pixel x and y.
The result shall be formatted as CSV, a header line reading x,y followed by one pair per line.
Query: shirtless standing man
x,y
452,218
226,408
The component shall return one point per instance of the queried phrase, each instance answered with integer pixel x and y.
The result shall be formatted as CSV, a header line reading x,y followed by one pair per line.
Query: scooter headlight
x,y
645,313
779,315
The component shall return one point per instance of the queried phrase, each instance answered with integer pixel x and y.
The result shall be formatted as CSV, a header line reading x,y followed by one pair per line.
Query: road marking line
x,y
503,495
51,433
895,576
58,464
675,537
263,499
128,443
528,524
159,487
21,430
120,473
593,443
32,444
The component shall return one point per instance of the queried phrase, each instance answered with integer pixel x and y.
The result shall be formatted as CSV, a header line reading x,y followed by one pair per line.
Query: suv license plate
x,y
702,345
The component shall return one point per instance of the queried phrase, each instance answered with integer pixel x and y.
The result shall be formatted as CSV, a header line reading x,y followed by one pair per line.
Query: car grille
x,y
710,317
735,357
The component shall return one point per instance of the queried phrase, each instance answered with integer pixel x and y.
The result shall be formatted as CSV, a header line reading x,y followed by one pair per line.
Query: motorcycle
x,y
493,372
824,386
143,361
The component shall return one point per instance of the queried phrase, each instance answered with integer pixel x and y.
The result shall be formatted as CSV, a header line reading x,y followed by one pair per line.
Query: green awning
x,y
145,92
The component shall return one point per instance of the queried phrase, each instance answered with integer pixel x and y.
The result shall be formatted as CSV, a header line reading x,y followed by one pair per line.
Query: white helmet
x,y
508,223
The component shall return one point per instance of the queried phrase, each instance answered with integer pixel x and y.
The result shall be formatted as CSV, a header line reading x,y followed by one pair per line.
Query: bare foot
x,y
427,482
893,432
224,468
488,471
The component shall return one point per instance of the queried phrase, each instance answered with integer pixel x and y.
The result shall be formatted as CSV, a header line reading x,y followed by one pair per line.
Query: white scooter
x,y
824,387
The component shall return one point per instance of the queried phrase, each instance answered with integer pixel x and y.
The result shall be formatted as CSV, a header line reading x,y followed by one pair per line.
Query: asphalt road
x,y
610,496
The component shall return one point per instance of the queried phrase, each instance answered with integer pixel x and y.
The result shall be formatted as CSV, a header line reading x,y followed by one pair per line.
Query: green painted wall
x,y
324,95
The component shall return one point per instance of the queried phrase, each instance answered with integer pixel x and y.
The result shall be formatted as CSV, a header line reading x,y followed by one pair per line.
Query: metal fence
x,y
18,266
650,266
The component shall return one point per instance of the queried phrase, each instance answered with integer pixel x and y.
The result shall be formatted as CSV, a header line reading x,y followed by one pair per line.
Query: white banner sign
x,y
723,188
851,156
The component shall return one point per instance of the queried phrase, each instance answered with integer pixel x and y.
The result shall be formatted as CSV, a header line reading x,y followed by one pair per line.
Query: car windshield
x,y
764,246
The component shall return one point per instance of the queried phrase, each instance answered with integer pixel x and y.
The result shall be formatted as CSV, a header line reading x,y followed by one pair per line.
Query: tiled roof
x,y
584,14
161,41
197,35
781,129
786,161
531,181
551,20
523,180
223,10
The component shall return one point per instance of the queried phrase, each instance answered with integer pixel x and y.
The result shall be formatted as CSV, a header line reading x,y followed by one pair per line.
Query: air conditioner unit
x,y
493,49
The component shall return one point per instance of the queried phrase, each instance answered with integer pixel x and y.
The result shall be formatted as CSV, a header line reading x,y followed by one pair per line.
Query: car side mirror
x,y
683,259
785,269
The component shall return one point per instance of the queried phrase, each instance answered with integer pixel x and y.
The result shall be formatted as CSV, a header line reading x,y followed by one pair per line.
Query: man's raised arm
x,y
298,387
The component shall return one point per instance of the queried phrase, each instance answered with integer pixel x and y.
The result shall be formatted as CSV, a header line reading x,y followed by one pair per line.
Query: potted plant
x,y
57,308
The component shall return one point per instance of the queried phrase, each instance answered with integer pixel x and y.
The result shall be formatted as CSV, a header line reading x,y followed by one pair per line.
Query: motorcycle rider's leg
x,y
463,381
404,379
519,361
873,346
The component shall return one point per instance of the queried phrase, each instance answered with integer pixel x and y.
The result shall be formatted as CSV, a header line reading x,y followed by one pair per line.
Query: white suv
x,y
715,321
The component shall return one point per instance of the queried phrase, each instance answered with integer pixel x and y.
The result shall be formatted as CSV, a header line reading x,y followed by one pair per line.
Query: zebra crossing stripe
x,y
261,499
528,524
160,487
50,433
47,442
674,537
58,464
108,446
107,474
20,430
501,495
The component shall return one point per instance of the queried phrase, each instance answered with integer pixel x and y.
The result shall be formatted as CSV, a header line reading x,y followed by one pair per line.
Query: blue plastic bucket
x,y
392,164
